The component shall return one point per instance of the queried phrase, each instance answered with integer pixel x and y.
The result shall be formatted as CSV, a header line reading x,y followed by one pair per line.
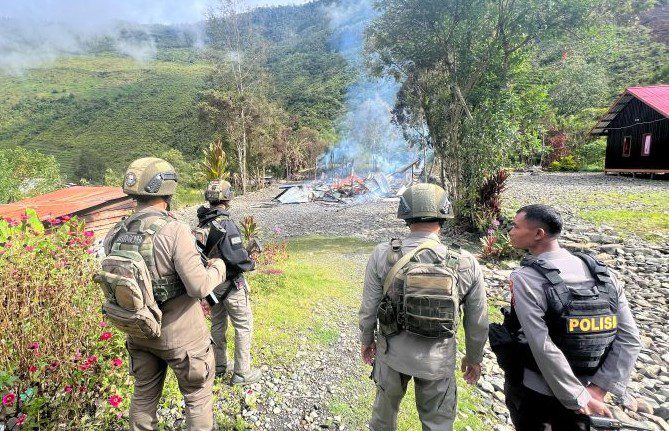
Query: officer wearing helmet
x,y
179,281
222,239
414,292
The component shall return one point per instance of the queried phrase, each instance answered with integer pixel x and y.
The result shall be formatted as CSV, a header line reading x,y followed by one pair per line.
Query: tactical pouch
x,y
387,318
430,300
505,347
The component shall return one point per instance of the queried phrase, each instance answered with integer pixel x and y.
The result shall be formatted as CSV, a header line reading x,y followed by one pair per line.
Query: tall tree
x,y
240,54
459,61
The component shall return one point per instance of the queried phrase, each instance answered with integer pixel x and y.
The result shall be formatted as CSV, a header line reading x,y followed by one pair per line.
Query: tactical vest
x,y
130,280
209,234
420,292
582,322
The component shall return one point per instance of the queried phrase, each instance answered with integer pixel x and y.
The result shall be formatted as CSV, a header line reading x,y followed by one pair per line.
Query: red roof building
x,y
99,207
637,130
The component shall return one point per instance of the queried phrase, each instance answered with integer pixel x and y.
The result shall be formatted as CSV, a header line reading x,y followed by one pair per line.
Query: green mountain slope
x,y
103,110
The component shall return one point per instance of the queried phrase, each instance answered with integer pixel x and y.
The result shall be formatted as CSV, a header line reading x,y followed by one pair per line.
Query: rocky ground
x,y
297,398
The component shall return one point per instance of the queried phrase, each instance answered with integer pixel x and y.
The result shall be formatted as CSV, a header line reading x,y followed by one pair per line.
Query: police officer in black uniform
x,y
581,338
224,240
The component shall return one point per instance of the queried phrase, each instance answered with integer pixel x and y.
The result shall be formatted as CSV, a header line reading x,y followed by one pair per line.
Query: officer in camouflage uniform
x,y
583,341
225,241
184,344
398,348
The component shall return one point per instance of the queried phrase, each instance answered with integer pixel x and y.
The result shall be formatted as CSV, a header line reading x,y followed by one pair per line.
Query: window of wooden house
x,y
627,146
645,144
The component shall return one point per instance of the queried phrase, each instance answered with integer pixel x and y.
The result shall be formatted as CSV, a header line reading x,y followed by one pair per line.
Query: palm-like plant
x,y
215,165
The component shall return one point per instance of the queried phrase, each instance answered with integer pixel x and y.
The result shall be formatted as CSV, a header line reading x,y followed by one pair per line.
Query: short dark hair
x,y
549,218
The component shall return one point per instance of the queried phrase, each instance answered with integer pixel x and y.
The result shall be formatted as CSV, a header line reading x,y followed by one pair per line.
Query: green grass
x,y
646,215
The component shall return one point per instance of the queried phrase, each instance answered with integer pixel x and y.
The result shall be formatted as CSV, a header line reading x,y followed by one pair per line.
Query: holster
x,y
509,346
387,318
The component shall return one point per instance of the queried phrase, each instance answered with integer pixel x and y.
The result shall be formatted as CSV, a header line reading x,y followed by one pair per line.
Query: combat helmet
x,y
424,202
150,176
217,191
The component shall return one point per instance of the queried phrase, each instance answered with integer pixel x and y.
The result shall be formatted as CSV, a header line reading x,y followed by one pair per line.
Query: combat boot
x,y
252,376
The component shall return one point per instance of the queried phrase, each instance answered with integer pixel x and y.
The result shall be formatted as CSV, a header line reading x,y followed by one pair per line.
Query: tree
x,y
460,67
239,78
25,173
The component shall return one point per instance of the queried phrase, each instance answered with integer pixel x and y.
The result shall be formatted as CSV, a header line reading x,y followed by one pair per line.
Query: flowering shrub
x,y
496,244
61,366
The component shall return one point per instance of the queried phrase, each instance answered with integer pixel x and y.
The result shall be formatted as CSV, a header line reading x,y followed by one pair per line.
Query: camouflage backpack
x,y
421,292
130,281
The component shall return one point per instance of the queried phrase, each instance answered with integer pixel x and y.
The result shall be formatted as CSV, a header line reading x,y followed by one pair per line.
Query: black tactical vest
x,y
581,322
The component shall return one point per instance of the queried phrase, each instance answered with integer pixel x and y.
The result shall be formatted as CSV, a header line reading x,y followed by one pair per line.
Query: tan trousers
x,y
193,366
435,400
237,308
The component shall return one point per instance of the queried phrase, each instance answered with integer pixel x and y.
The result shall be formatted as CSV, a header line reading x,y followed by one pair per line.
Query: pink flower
x,y
77,356
32,369
54,365
33,346
68,389
66,218
85,366
29,248
92,359
9,399
106,336
102,324
8,244
21,419
116,362
24,217
115,400
56,221
89,233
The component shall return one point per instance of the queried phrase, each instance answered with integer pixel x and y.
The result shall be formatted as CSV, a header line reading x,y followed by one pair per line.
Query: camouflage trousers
x,y
193,366
237,308
436,400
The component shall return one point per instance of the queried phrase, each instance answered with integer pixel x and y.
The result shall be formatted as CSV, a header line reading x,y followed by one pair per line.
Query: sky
x,y
94,12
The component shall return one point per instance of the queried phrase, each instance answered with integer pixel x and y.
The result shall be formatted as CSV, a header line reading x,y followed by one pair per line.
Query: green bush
x,y
591,155
565,164
25,173
61,367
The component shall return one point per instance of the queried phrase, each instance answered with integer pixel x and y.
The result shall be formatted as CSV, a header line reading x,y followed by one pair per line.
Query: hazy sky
x,y
91,12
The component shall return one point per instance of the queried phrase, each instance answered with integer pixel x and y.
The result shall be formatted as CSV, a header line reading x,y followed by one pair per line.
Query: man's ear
x,y
540,234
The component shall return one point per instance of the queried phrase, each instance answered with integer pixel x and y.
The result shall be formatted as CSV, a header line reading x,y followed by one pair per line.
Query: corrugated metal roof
x,y
63,202
655,96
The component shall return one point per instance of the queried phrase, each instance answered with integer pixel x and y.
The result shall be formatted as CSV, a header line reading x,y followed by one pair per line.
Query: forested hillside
x,y
100,110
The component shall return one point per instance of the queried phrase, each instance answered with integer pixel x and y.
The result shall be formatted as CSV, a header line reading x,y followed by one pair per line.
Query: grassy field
x,y
646,215
102,110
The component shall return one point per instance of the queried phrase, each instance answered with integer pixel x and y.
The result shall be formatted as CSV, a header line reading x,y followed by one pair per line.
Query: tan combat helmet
x,y
217,191
424,202
150,176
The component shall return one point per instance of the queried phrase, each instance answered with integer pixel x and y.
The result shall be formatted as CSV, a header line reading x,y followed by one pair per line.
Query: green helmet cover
x,y
424,202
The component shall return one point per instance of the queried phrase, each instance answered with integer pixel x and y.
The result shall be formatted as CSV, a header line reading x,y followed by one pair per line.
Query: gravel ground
x,y
642,267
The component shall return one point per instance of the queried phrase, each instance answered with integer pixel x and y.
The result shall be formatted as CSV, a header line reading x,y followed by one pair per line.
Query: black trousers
x,y
532,411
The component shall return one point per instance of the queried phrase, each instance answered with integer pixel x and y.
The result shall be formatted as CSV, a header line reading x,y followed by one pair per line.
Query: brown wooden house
x,y
637,131
99,207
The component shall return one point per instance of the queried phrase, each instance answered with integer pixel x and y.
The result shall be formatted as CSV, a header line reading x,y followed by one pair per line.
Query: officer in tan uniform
x,y
416,288
224,240
184,344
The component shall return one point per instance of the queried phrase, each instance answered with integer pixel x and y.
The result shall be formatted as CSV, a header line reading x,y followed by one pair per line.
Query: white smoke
x,y
369,140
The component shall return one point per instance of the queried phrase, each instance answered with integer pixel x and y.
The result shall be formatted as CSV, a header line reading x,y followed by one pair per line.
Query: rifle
x,y
603,423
